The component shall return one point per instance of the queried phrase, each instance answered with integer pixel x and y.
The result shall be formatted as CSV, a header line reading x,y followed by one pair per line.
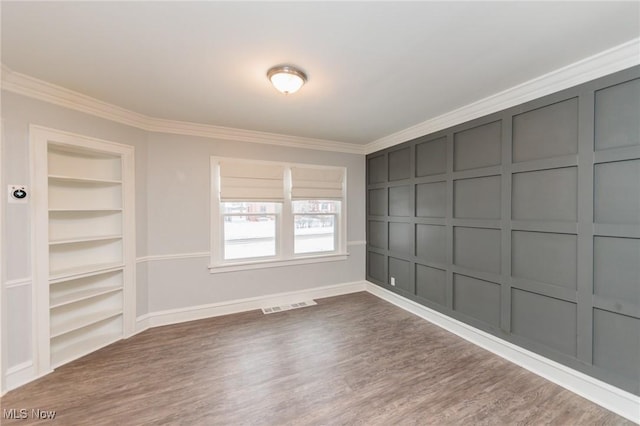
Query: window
x,y
315,225
268,213
249,229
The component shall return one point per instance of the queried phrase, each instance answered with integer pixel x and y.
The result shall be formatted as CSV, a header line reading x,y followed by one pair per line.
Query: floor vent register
x,y
281,308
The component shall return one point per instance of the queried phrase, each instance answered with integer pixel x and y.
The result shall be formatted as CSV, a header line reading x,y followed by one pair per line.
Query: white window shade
x,y
316,183
247,181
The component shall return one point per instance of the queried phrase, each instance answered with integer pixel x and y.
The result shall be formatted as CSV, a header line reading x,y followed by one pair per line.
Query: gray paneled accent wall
x,y
525,224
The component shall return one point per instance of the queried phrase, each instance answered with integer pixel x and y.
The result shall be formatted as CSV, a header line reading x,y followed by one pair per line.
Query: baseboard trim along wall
x,y
616,400
19,375
613,399
192,313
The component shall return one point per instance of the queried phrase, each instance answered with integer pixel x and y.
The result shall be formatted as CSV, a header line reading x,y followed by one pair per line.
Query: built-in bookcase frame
x,y
83,214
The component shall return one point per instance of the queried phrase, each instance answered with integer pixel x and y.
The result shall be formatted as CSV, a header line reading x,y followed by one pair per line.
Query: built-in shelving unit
x,y
85,238
86,261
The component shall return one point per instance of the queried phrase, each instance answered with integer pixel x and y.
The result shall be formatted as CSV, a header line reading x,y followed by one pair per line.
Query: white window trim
x,y
284,234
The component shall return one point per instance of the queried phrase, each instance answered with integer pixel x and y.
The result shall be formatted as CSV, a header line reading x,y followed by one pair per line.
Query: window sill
x,y
244,266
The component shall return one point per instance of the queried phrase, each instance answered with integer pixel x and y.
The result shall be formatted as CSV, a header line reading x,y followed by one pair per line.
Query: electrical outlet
x,y
393,281
17,194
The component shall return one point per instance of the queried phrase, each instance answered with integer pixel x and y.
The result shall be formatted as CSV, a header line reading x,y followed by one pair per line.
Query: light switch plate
x,y
17,194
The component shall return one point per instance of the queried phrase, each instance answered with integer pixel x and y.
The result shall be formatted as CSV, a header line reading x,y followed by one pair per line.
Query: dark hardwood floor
x,y
352,359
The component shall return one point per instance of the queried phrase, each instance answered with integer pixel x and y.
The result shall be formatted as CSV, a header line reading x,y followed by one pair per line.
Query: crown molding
x,y
25,85
604,63
607,62
240,135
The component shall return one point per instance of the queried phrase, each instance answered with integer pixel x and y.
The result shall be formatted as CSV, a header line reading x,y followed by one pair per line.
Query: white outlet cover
x,y
17,194
393,281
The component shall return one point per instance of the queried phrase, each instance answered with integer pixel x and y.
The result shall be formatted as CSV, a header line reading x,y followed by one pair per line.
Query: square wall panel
x,y
616,118
377,202
431,199
545,257
545,320
401,238
546,132
477,248
616,343
375,266
377,234
399,270
431,284
545,195
400,201
431,243
399,164
377,169
477,198
476,298
431,157
617,192
616,268
478,147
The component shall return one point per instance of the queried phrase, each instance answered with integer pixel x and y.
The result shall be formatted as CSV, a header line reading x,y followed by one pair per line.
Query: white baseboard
x,y
24,373
616,400
613,399
174,316
19,375
142,324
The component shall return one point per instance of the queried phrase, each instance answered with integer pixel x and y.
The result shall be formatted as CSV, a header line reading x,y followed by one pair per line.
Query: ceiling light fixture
x,y
286,79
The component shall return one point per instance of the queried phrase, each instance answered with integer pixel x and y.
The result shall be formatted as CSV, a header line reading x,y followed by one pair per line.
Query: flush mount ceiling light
x,y
286,79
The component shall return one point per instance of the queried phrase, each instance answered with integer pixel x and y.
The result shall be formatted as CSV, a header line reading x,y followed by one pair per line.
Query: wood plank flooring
x,y
350,360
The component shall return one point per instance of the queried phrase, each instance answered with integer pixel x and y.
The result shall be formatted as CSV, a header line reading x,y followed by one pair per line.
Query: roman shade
x,y
319,183
251,181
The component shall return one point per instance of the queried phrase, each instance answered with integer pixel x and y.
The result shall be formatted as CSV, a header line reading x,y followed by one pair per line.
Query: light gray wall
x,y
172,217
178,223
525,224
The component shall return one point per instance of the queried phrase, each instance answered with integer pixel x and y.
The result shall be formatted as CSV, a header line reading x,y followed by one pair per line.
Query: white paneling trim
x,y
238,267
607,62
174,316
38,89
609,397
156,257
17,283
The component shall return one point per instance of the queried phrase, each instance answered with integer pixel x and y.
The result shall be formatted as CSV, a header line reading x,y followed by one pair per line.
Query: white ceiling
x,y
374,68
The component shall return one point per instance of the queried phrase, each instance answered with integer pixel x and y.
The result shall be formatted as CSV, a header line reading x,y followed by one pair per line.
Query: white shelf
x,y
117,209
79,349
62,178
82,322
81,195
68,226
85,239
77,162
81,295
83,271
